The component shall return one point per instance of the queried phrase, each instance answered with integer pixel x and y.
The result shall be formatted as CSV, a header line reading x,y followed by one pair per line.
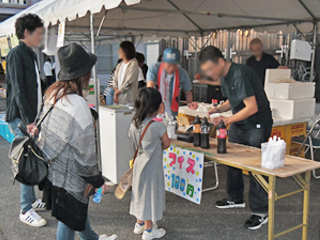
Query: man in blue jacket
x,y
24,100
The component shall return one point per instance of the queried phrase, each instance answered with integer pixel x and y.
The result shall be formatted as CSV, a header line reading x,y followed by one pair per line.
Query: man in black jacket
x,y
24,100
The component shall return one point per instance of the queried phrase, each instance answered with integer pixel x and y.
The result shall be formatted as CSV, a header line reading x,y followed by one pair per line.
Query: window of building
x,y
107,57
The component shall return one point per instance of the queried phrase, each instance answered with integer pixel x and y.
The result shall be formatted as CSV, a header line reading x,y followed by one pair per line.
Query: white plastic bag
x,y
273,153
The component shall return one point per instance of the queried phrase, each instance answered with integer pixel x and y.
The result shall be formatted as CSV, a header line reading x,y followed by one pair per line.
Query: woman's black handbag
x,y
28,164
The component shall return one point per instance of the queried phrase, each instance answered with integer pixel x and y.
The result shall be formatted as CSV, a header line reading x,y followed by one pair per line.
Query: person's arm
x,y
274,63
165,141
115,85
225,107
151,84
15,70
152,76
250,108
209,82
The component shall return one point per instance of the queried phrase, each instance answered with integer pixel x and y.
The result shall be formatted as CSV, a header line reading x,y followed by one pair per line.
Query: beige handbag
x,y
125,183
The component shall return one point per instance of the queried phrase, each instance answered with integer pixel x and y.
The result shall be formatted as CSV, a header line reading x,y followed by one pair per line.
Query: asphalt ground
x,y
183,220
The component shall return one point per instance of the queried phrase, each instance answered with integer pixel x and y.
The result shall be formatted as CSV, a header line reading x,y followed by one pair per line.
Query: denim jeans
x,y
27,194
109,96
66,233
258,198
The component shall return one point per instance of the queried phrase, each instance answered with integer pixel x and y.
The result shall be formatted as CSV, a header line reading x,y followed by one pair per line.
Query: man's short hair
x,y
29,22
210,53
256,41
48,59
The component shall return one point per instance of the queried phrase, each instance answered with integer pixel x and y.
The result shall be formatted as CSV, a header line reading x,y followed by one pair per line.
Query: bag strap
x,y
44,116
144,132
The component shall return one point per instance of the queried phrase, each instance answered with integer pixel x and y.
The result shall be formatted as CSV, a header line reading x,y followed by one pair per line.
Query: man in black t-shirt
x,y
250,125
260,61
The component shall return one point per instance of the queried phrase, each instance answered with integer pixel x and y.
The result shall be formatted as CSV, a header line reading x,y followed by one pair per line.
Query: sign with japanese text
x,y
183,172
61,30
4,46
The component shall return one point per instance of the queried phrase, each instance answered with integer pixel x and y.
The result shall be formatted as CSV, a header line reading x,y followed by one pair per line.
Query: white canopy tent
x,y
175,18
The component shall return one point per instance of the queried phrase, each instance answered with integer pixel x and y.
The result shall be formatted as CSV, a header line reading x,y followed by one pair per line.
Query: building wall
x,y
11,7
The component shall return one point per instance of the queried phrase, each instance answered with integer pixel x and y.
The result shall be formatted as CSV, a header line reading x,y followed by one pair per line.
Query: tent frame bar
x,y
205,30
307,9
96,87
220,15
186,16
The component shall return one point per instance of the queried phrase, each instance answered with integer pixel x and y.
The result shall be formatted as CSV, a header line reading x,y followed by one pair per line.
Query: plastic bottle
x,y
197,131
97,196
205,129
222,137
214,103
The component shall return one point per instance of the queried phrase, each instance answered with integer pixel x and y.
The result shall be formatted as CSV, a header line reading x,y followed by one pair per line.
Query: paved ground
x,y
183,220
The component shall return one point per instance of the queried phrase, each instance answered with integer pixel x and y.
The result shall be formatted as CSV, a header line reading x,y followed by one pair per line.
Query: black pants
x,y
258,198
49,81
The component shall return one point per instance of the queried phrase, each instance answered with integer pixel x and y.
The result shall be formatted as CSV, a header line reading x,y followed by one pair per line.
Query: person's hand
x,y
217,120
283,67
32,129
212,110
104,187
193,105
116,96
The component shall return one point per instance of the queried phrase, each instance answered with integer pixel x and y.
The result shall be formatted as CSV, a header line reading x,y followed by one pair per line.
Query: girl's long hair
x,y
146,104
60,89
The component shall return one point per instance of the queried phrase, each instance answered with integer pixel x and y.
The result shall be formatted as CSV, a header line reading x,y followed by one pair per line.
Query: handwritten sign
x,y
183,171
14,41
61,30
4,46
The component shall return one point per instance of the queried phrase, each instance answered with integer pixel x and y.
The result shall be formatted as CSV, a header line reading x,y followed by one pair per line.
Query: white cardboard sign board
x,y
183,172
61,30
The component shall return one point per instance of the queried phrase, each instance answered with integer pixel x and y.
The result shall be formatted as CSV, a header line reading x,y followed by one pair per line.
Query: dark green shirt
x,y
242,82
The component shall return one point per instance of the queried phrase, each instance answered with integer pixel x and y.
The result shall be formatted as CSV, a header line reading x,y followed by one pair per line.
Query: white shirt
x,y
140,76
39,87
122,70
166,98
47,69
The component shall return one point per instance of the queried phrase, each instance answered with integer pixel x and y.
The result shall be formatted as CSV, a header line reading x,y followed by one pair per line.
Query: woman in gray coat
x,y
125,81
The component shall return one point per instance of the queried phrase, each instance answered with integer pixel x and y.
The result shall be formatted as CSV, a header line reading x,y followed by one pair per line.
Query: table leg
x,y
271,196
306,206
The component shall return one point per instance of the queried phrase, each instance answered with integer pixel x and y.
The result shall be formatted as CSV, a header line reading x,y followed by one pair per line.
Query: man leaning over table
x,y
170,78
250,125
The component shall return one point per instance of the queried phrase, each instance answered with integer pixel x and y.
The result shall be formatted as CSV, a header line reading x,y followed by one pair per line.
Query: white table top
x,y
276,121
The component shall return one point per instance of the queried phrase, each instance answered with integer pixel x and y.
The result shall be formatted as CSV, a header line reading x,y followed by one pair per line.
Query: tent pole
x,y
314,43
96,87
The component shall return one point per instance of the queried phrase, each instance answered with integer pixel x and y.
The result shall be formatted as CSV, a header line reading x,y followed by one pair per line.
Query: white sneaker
x,y
138,229
32,218
39,205
105,237
155,233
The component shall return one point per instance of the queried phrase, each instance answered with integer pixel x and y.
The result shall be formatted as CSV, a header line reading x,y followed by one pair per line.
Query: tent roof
x,y
175,17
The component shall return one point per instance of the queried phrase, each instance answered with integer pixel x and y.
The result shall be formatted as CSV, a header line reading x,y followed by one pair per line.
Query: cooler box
x,y
292,109
116,147
297,90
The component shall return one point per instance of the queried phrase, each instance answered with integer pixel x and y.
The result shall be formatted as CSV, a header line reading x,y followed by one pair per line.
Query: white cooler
x,y
298,90
291,109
